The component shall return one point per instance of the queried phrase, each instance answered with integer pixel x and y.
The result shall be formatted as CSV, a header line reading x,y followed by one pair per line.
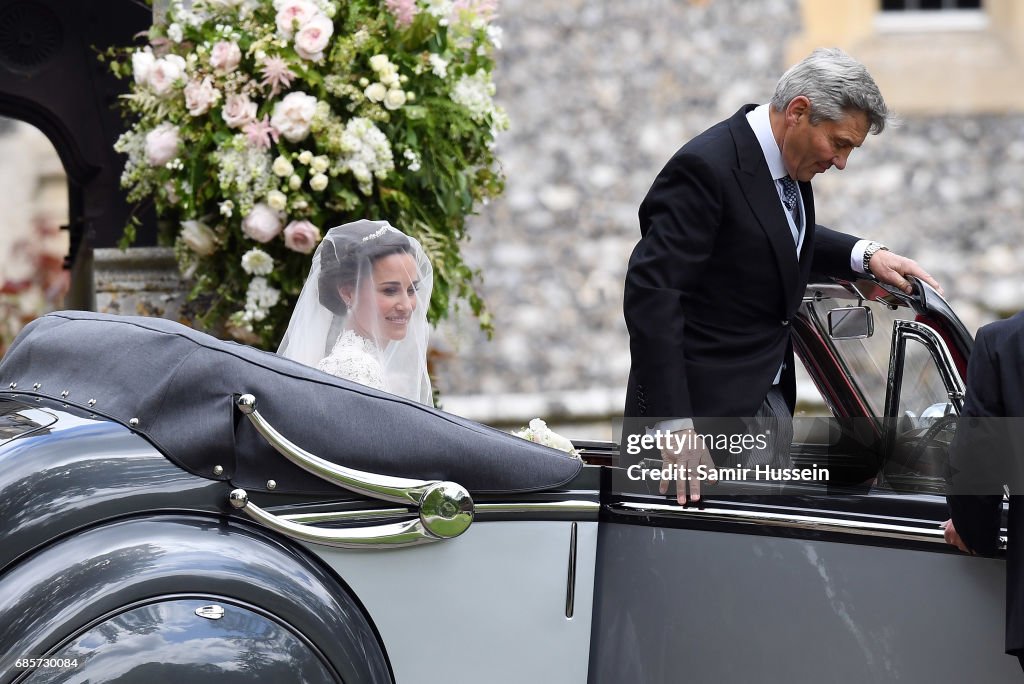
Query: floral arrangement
x,y
539,432
259,124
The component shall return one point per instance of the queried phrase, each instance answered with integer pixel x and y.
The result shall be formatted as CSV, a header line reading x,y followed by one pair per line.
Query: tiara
x,y
380,231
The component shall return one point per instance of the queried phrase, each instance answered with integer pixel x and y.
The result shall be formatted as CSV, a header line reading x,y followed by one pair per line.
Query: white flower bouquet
x,y
258,124
539,432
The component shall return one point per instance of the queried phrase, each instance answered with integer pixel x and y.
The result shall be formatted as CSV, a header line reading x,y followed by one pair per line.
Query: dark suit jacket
x,y
995,389
714,281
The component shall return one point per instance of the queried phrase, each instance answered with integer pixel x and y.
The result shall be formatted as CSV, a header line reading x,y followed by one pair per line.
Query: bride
x,y
362,313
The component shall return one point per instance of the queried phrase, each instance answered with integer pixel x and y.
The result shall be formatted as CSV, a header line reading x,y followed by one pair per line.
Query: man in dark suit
x,y
728,240
985,455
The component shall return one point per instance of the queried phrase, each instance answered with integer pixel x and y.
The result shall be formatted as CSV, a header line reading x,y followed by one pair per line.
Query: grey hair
x,y
835,83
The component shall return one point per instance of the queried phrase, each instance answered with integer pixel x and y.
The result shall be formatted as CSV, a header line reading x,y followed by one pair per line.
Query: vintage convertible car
x,y
176,508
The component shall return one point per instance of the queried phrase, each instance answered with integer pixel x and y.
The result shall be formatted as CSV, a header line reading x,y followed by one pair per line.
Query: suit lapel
x,y
759,189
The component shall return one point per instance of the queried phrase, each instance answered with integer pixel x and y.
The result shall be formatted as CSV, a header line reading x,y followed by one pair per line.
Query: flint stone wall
x,y
600,95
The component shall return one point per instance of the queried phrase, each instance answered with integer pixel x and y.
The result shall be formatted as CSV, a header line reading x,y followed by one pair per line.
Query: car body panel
x,y
749,604
492,600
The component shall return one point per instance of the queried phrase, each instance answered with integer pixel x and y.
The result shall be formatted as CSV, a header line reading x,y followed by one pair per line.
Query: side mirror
x,y
850,323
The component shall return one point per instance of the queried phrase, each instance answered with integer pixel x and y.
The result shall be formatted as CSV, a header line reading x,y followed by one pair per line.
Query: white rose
x,y
165,72
225,56
542,434
262,224
238,111
320,163
142,64
199,238
293,115
294,182
318,182
293,15
379,62
305,156
395,98
257,262
301,236
200,96
375,92
282,167
277,200
162,144
388,77
312,39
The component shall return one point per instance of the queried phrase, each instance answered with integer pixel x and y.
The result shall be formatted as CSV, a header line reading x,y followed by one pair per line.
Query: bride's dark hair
x,y
347,251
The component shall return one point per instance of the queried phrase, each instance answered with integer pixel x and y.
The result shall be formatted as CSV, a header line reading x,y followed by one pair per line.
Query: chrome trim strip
x,y
334,516
407,533
585,507
524,508
570,582
806,522
936,346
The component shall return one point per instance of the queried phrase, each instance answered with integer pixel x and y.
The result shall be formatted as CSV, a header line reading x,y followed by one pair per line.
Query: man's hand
x,y
891,268
691,453
952,537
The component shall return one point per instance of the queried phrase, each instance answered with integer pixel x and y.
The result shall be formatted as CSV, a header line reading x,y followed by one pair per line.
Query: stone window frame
x,y
926,62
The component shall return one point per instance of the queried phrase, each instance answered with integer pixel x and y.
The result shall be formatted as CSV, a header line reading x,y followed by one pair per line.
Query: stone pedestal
x,y
142,281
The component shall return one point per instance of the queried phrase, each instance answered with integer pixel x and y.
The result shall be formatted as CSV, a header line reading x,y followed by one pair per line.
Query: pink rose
x,y
200,96
225,56
238,111
262,224
293,15
301,236
162,144
312,38
293,115
164,72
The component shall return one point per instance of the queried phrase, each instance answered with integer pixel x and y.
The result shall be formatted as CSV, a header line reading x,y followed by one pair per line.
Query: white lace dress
x,y
355,358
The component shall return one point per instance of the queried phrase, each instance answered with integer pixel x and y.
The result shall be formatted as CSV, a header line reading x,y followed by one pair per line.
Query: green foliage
x,y
390,119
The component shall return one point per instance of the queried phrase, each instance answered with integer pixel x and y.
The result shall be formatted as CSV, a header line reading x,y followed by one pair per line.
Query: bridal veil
x,y
369,286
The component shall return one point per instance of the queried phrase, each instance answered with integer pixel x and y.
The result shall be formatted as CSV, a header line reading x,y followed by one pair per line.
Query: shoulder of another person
x,y
999,331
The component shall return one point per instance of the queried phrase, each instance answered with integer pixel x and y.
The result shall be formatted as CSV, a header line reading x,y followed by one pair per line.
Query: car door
x,y
841,581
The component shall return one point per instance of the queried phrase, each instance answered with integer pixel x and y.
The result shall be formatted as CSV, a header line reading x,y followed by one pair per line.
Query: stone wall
x,y
600,95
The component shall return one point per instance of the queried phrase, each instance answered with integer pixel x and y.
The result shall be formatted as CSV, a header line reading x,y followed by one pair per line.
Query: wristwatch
x,y
870,252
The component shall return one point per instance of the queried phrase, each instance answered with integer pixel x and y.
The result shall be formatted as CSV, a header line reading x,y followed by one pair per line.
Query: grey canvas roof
x,y
181,385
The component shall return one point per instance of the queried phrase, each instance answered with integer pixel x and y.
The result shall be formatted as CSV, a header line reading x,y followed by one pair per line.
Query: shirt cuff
x,y
673,425
857,255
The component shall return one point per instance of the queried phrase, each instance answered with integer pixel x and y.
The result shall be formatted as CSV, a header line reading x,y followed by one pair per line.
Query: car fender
x,y
68,588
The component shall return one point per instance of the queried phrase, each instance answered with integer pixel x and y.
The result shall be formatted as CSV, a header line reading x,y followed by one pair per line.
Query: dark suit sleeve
x,y
976,516
679,220
832,251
